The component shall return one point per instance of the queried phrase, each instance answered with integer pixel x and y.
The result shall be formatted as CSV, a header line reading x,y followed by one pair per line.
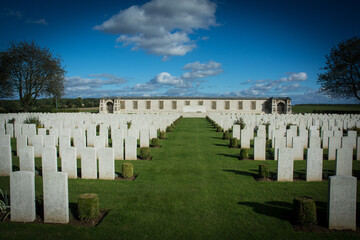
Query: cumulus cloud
x,y
40,21
265,88
92,85
189,80
161,27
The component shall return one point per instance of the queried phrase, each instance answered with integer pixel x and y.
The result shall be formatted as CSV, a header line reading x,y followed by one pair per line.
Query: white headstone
x,y
334,143
245,138
21,142
5,161
118,144
88,163
49,141
22,200
259,148
106,163
37,142
49,160
285,165
130,148
343,163
56,197
314,164
144,138
342,202
68,162
280,142
298,147
314,142
5,140
26,159
236,131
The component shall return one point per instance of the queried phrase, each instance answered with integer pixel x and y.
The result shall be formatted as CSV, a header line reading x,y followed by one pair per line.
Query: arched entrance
x,y
110,107
281,108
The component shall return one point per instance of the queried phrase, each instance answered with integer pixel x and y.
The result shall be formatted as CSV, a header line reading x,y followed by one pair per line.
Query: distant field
x,y
309,108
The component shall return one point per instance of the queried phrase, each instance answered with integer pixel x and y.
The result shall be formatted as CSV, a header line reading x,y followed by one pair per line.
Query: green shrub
x,y
172,125
269,143
226,135
162,135
169,129
88,206
145,153
270,154
127,170
219,129
244,154
233,142
264,171
33,120
240,121
304,211
129,123
155,142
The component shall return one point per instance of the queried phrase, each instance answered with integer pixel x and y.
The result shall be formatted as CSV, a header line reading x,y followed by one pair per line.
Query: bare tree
x,y
29,71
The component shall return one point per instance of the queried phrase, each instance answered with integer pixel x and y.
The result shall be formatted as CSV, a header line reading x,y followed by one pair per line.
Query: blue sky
x,y
188,47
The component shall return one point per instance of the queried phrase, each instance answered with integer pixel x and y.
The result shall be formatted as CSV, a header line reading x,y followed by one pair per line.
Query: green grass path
x,y
193,188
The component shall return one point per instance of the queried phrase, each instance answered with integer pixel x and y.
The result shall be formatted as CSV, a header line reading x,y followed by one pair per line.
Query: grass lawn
x,y
193,188
309,108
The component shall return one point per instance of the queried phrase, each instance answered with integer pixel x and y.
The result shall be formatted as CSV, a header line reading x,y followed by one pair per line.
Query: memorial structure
x,y
196,105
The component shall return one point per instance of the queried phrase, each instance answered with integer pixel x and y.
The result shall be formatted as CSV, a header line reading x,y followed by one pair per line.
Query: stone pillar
x,y
285,165
68,162
314,164
5,160
88,163
56,199
26,159
22,200
106,163
342,202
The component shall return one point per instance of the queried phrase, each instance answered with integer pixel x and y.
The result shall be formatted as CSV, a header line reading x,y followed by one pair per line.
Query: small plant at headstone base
x,y
173,125
168,129
155,142
304,211
233,143
88,206
219,129
269,143
264,171
270,154
4,205
145,153
240,121
97,128
11,121
129,123
267,124
162,135
226,135
127,170
355,129
33,120
244,154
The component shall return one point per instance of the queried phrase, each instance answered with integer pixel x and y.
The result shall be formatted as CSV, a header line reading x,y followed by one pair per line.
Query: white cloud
x,y
295,77
161,27
9,12
40,21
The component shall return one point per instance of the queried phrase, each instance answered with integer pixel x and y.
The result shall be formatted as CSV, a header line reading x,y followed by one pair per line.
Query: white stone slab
x,y
90,135
88,163
49,141
314,142
314,164
106,163
236,131
56,197
26,159
285,169
245,138
342,202
64,143
68,162
298,147
259,148
37,142
144,138
280,142
130,148
21,142
5,160
5,140
343,163
118,146
22,200
334,143
49,160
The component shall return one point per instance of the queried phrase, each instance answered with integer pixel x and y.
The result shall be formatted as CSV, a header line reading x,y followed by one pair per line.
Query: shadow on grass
x,y
228,155
277,209
241,172
221,145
